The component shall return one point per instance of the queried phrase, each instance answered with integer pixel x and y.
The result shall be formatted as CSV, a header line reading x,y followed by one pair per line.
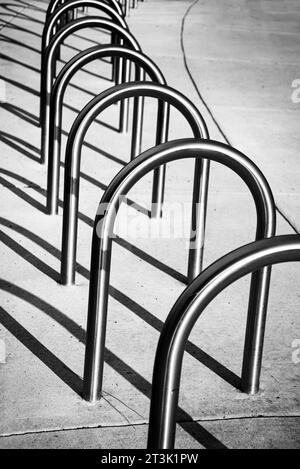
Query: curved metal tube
x,y
97,4
52,137
50,23
48,60
103,230
62,21
185,313
54,5
166,96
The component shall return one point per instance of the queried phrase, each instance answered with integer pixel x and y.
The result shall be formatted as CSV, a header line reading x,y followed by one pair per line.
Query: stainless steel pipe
x,y
48,33
102,243
48,61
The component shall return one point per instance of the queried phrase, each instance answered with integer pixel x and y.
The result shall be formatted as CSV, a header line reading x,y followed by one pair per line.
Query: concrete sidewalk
x,y
243,61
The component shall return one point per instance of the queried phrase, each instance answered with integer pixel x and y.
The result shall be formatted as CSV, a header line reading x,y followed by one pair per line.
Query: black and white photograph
x,y
149,227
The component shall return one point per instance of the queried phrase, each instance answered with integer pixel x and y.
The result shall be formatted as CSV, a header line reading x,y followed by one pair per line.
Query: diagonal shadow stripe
x,y
70,378
41,352
122,298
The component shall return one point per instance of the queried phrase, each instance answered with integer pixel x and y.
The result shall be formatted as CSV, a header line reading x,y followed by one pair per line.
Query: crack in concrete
x,y
116,409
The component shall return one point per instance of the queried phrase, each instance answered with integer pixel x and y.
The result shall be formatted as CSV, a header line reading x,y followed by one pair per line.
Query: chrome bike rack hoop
x,y
102,242
166,97
54,5
47,74
121,70
187,310
51,143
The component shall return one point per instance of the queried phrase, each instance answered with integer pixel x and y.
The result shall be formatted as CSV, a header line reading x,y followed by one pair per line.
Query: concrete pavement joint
x,y
186,66
191,76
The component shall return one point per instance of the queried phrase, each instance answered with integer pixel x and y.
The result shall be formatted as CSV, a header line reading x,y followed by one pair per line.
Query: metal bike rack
x,y
58,16
48,60
63,20
97,4
52,137
121,69
102,242
183,316
166,96
54,5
